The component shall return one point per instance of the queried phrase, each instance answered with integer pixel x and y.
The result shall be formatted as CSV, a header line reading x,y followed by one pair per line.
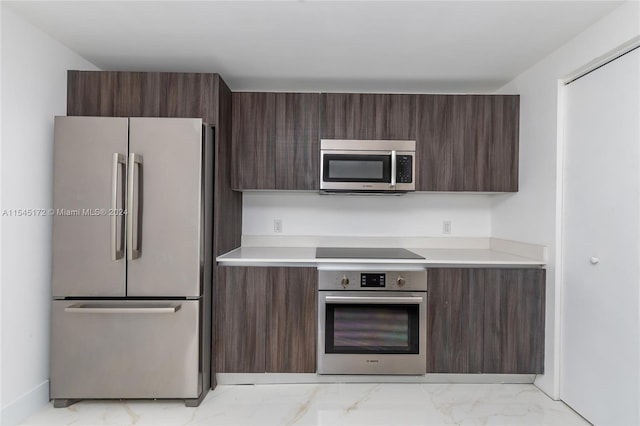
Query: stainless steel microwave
x,y
361,166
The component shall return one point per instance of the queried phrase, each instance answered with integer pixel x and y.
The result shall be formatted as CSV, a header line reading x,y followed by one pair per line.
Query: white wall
x,y
533,214
33,84
409,215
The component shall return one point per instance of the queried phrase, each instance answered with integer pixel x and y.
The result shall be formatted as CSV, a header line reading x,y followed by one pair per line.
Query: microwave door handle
x,y
393,169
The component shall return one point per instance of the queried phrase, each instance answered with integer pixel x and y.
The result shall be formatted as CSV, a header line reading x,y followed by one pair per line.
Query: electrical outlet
x,y
277,225
446,227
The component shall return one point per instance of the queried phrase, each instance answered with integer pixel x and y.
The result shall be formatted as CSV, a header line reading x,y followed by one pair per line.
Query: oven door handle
x,y
404,300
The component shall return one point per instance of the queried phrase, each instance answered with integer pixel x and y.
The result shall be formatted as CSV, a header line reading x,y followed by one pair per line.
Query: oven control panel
x,y
415,280
372,280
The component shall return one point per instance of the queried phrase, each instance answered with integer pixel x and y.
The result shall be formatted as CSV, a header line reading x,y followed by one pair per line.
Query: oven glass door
x,y
356,168
376,324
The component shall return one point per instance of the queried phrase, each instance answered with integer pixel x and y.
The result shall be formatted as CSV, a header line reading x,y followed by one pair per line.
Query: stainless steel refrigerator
x,y
132,259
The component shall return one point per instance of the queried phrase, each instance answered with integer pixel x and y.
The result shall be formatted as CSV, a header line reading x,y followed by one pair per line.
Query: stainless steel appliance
x,y
372,322
377,166
132,259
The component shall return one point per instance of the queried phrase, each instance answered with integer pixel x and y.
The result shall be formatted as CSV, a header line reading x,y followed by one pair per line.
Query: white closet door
x,y
600,352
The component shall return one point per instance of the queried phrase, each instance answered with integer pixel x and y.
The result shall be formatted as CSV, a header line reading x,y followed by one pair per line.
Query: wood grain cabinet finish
x,y
467,143
291,320
143,94
297,141
368,116
265,320
514,321
254,144
485,321
275,141
91,93
240,311
455,321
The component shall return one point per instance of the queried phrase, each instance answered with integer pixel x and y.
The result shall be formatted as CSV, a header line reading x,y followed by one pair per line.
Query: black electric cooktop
x,y
364,253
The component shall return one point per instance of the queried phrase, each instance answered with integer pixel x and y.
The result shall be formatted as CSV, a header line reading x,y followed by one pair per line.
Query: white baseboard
x,y
17,411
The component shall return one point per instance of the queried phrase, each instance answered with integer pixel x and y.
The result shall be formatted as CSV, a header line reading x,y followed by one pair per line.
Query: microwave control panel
x,y
404,167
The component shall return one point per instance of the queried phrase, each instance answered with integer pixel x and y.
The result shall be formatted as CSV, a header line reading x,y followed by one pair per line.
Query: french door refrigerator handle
x,y
80,308
117,252
133,252
393,169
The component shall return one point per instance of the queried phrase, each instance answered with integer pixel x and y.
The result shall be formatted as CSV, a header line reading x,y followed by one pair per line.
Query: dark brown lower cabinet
x,y
514,302
485,320
455,313
292,301
239,320
265,320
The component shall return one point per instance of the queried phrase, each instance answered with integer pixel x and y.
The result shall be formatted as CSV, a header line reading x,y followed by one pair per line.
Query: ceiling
x,y
375,46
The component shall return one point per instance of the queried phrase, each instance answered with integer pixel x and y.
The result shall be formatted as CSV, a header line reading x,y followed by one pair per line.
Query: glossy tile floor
x,y
330,404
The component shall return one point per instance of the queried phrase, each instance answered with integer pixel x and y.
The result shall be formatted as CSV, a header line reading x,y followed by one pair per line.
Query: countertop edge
x,y
305,257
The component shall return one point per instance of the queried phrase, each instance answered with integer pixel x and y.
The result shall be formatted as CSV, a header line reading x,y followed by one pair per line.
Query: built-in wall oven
x,y
372,322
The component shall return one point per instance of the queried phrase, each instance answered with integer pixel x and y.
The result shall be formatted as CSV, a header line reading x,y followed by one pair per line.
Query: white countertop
x,y
306,256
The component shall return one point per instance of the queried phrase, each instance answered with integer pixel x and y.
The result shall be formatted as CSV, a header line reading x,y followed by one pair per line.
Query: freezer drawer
x,y
125,349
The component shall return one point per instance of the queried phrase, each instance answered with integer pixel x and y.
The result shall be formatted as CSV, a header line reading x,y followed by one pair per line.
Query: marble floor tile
x,y
330,404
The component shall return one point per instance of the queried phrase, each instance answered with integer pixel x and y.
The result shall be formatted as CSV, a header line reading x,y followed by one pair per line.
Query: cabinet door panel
x,y
138,94
367,116
455,319
491,143
297,141
254,135
142,94
505,114
467,143
514,321
187,95
291,320
440,142
239,319
91,93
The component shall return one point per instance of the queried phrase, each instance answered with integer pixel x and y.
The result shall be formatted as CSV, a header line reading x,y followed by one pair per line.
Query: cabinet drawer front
x,y
125,349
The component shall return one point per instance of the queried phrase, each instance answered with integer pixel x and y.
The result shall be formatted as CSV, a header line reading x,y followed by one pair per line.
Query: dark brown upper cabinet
x,y
368,116
253,140
91,93
486,320
467,143
275,141
144,94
